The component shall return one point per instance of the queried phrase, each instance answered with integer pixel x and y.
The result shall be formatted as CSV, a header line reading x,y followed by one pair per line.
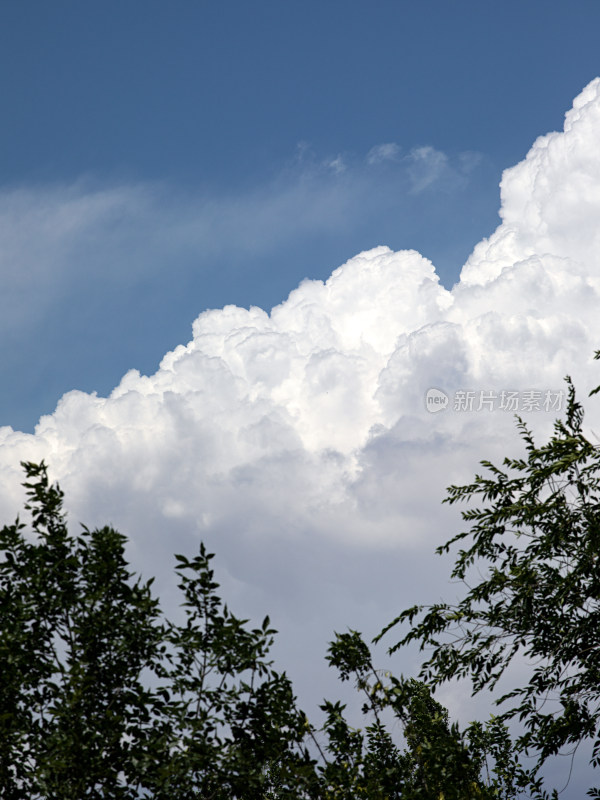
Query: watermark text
x,y
487,400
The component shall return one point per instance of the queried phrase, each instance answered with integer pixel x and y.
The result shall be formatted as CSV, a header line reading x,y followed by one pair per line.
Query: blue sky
x,y
256,120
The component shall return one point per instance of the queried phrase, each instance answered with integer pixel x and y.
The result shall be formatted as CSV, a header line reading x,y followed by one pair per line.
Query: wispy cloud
x,y
425,166
389,151
54,238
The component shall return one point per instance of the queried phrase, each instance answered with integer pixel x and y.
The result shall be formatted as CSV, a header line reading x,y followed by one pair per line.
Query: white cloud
x,y
426,165
388,151
298,444
550,201
337,165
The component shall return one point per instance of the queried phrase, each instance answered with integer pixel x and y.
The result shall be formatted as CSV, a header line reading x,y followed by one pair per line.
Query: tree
x,y
102,697
532,572
439,761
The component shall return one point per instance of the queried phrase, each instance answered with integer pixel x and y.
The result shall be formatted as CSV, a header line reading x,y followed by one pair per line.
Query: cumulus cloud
x,y
550,202
298,443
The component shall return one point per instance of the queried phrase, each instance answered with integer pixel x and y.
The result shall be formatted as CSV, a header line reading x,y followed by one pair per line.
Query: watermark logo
x,y
525,401
436,400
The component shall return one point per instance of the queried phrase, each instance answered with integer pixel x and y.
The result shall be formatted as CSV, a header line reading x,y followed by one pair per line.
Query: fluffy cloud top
x,y
298,443
550,201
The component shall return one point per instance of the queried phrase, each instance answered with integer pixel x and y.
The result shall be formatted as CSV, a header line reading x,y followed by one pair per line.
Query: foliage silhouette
x,y
531,569
102,697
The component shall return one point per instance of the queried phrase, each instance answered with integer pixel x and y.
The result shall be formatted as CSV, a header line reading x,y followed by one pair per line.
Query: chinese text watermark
x,y
516,402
